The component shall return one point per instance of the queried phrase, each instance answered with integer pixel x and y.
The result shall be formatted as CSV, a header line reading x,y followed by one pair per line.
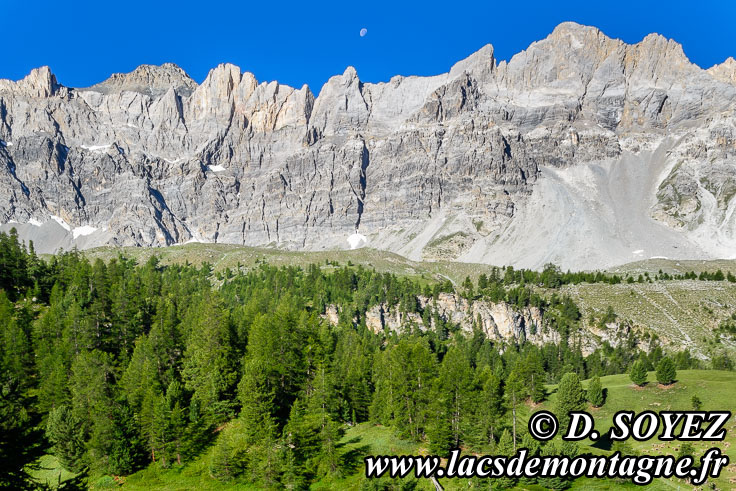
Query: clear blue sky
x,y
302,42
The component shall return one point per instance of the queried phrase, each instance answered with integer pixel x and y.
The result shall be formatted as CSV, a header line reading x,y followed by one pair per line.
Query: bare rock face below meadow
x,y
582,150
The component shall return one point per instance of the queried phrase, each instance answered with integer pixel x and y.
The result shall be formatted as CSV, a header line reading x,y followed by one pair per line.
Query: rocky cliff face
x,y
581,150
498,321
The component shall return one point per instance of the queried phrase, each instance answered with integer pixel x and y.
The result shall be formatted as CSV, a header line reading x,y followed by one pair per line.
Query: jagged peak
x,y
482,60
41,82
350,73
570,27
223,71
347,78
148,79
571,35
657,41
660,55
725,72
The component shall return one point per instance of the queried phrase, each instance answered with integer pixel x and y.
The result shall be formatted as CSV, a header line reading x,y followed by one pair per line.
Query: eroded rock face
x,y
499,321
432,167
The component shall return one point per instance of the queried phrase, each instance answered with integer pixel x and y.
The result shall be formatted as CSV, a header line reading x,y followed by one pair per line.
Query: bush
x,y
697,403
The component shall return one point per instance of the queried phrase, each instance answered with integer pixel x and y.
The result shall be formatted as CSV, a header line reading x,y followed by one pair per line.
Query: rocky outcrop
x,y
725,72
499,321
465,165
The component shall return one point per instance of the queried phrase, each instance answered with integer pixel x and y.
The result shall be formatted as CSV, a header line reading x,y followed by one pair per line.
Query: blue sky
x,y
301,42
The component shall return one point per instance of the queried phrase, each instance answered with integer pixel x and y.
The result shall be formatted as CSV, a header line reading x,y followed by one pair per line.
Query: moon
x,y
363,32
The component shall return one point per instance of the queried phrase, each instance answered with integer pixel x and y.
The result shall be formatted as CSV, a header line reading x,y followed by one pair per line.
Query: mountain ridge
x,y
447,166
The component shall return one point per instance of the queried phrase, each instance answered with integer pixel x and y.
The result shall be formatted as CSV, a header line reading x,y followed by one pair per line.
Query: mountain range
x,y
581,150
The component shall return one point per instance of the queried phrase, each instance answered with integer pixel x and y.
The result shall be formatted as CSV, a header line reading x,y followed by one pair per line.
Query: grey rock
x,y
578,150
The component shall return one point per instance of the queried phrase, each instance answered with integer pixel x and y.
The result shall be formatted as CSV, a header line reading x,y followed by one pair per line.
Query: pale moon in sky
x,y
363,32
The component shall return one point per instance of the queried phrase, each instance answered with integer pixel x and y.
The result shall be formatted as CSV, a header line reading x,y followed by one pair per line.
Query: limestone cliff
x,y
498,321
582,150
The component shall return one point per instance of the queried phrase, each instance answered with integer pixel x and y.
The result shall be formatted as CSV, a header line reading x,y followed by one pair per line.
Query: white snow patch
x,y
658,257
8,144
83,230
173,161
14,221
215,168
61,222
638,251
34,222
356,240
131,125
97,148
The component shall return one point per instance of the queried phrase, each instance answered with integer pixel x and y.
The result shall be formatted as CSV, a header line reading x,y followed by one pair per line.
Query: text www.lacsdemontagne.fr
x,y
639,469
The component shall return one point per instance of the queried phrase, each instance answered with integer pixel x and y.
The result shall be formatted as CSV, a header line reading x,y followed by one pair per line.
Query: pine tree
x,y
595,392
125,450
439,429
267,457
20,442
532,371
666,373
15,347
328,459
64,432
302,441
506,446
209,368
638,373
489,409
570,397
455,380
516,392
556,483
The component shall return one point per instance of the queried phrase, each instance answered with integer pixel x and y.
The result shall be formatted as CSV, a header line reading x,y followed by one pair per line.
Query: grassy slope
x,y
51,472
682,313
717,391
228,255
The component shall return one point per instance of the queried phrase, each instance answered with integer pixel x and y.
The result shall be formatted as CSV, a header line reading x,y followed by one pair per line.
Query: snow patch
x,y
34,222
97,148
356,240
173,161
215,168
658,257
83,230
638,251
61,222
